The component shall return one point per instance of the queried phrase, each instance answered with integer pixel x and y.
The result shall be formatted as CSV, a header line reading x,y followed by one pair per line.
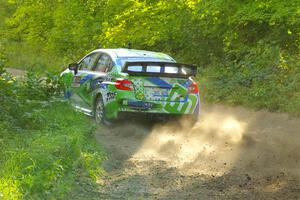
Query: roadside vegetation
x,y
247,51
45,146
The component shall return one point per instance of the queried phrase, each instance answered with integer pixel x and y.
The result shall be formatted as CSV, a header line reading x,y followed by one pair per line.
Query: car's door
x,y
102,66
82,81
103,81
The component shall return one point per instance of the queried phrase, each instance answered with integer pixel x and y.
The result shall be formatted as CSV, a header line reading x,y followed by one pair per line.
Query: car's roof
x,y
133,53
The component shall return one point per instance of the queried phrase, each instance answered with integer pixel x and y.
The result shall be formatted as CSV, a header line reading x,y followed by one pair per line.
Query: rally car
x,y
108,82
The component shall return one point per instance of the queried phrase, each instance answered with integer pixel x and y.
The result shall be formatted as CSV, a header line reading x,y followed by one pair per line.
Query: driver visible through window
x,y
88,62
104,63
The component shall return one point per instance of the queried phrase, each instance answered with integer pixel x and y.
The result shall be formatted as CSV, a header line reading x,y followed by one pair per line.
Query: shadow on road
x,y
229,153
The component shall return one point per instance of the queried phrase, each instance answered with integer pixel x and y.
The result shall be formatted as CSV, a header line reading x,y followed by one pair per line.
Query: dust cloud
x,y
225,140
230,153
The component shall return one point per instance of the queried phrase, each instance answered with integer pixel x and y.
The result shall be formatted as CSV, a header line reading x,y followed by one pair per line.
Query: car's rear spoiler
x,y
165,69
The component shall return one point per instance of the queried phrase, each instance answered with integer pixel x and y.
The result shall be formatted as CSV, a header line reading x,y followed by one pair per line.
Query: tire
x,y
99,112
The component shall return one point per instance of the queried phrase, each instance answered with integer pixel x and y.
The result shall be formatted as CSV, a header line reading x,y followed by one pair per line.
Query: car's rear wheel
x,y
99,112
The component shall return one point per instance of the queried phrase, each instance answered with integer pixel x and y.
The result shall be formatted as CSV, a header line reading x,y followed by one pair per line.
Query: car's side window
x,y
88,62
103,64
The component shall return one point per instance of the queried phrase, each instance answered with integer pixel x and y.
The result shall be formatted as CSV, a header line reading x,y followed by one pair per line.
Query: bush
x,y
44,143
274,86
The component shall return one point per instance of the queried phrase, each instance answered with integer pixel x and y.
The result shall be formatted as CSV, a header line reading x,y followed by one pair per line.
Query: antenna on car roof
x,y
129,45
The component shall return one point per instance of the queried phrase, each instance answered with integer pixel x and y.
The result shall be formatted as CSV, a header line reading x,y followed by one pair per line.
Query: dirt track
x,y
231,153
16,72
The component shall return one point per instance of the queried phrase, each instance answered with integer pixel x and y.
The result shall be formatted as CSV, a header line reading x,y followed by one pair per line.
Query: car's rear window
x,y
160,68
171,69
122,60
135,68
155,69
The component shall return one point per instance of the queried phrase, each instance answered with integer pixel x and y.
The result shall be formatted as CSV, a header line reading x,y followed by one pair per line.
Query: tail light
x,y
124,84
193,88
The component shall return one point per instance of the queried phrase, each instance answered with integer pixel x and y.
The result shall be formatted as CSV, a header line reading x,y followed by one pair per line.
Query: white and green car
x,y
108,82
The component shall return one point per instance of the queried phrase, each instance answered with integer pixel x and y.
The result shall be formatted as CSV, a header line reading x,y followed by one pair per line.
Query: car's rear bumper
x,y
190,106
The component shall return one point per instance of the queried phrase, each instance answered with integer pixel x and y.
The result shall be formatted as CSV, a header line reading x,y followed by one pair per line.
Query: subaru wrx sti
x,y
108,82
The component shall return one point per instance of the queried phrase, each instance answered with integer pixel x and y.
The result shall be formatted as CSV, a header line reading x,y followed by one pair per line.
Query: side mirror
x,y
73,67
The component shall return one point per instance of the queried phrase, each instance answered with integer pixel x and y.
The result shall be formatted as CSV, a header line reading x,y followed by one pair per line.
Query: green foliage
x,y
241,45
250,84
44,144
23,100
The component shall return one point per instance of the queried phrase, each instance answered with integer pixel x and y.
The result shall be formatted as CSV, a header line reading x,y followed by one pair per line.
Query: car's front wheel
x,y
99,112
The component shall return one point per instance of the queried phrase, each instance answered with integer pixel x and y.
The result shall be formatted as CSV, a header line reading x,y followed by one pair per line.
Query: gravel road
x,y
230,153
